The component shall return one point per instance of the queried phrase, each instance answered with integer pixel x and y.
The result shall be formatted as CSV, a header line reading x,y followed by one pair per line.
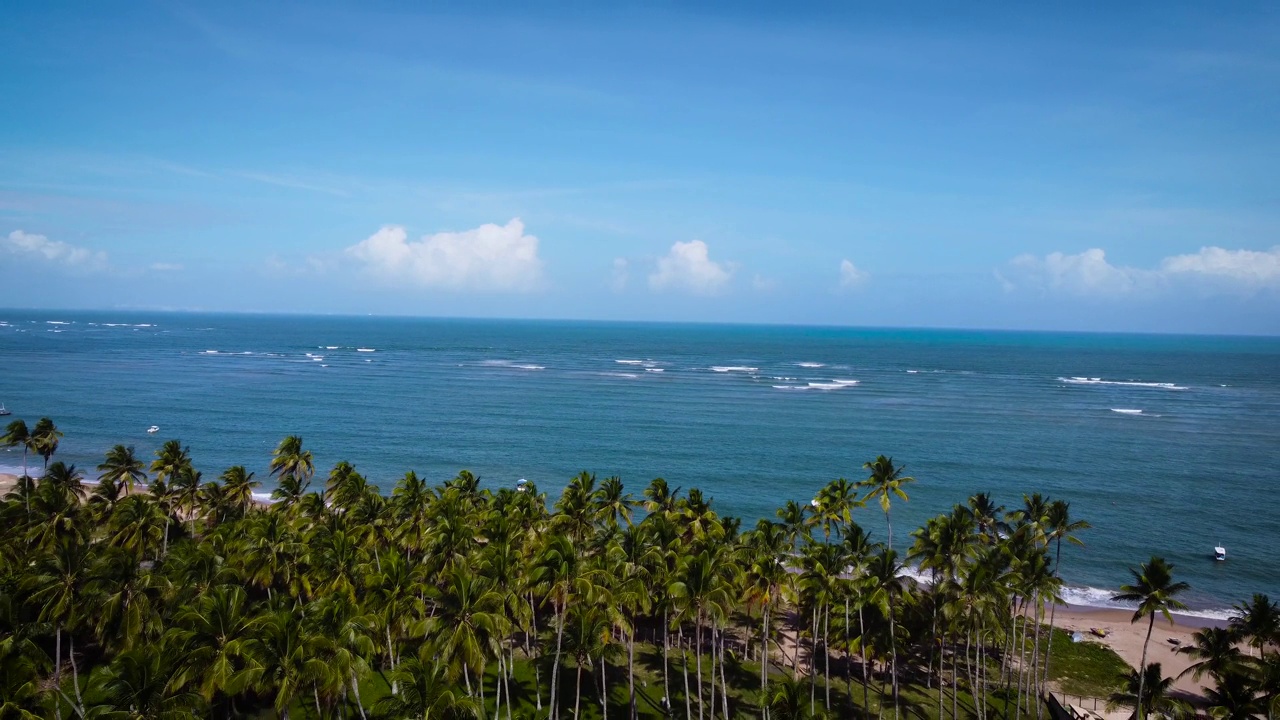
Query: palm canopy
x,y
1153,589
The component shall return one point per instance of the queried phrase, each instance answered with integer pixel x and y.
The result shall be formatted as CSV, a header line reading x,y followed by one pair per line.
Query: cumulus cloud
x,y
851,276
54,251
495,258
1090,273
689,267
621,273
1251,267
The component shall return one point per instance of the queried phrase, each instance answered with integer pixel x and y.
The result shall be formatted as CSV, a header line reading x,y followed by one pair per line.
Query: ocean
x,y
1167,445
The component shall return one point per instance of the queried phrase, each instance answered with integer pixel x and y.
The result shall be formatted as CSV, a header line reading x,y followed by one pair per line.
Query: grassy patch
x,y
1085,668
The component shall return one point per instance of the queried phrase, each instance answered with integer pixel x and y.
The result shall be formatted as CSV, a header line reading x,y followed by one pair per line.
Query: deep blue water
x,y
753,415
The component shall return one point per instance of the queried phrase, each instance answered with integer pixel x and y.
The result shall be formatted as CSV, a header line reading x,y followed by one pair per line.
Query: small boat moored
x,y
153,429
4,412
1219,553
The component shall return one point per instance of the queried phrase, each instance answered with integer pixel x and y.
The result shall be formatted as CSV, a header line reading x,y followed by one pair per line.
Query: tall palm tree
x,y
45,437
58,586
425,691
1060,527
122,467
886,588
16,433
137,685
1215,652
172,461
238,485
1234,697
1152,688
211,636
290,460
1154,590
886,480
285,657
1258,621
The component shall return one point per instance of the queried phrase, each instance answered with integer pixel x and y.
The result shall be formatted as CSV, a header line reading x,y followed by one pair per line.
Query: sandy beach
x,y
1126,638
7,482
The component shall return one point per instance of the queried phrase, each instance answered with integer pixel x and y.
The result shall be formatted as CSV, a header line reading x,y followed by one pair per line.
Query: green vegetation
x,y
1086,668
158,593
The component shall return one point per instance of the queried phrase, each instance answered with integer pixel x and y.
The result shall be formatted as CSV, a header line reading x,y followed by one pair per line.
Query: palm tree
x,y
16,433
137,525
1215,652
58,586
238,486
834,504
1060,527
1234,697
211,636
613,502
1153,688
137,685
885,481
1154,590
285,658
44,437
1257,620
425,691
121,467
886,587
171,463
290,460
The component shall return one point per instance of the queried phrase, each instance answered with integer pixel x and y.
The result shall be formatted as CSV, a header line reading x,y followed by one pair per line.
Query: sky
x,y
1070,166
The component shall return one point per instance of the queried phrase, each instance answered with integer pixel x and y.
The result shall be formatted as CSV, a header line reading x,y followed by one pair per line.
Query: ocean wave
x,y
1086,596
57,322
366,350
811,364
629,362
1123,383
733,368
628,376
1127,411
654,369
832,385
530,367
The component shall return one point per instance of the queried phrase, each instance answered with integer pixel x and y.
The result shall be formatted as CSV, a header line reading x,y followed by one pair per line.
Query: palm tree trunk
x,y
555,667
1033,689
826,651
666,675
577,691
893,649
1142,668
75,672
697,631
684,667
631,673
57,666
813,659
604,691
764,659
724,685
355,692
506,679
711,705
862,651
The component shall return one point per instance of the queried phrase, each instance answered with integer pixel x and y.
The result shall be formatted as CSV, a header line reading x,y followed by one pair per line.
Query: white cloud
x,y
1089,273
54,251
851,276
1251,267
689,267
165,267
760,283
497,258
621,273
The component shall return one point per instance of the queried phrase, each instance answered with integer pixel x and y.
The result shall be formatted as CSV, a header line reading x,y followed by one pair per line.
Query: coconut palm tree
x,y
238,486
1234,697
137,525
1155,591
211,637
1153,688
886,480
1258,621
886,587
285,658
290,460
16,433
137,685
173,460
123,468
44,438
1215,652
612,502
57,586
425,691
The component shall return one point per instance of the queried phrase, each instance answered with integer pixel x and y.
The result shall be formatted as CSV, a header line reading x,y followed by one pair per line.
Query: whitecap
x,y
1123,383
366,350
530,367
56,322
733,368
629,362
912,372
330,347
811,364
1127,411
653,369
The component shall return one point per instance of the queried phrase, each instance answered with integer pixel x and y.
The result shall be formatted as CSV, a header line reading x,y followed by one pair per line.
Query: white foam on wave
x,y
1122,383
626,375
912,372
264,498
629,362
1100,598
1127,411
56,322
530,367
733,368
329,347
833,385
209,352
654,369
811,364
366,350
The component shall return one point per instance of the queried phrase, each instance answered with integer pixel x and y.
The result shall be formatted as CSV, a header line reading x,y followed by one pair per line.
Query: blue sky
x,y
1077,167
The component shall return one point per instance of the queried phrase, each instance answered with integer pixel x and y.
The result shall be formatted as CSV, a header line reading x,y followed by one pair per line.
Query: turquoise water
x,y
753,415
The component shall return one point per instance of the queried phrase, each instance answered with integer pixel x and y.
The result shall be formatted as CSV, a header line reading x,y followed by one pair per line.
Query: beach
x,y
1126,639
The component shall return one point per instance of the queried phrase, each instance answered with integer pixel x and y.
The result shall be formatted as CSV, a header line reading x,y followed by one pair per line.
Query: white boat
x,y
153,429
1219,553
4,412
